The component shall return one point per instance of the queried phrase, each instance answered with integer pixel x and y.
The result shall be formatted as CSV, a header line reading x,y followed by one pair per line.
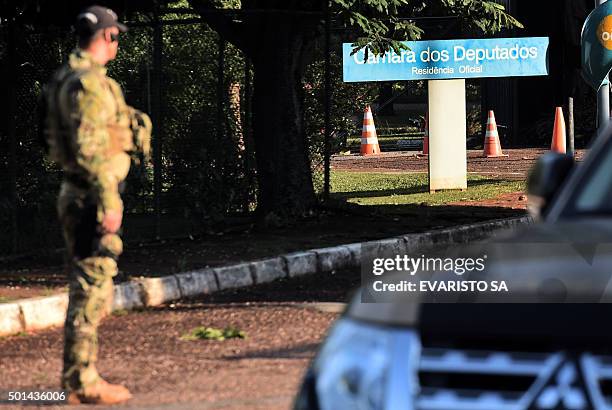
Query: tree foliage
x,y
280,38
383,24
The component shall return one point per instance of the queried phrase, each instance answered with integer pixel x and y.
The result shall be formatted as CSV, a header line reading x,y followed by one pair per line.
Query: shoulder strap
x,y
54,126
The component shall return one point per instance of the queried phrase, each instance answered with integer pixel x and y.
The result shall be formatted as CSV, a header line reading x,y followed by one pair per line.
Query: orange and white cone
x,y
492,146
369,140
558,139
426,136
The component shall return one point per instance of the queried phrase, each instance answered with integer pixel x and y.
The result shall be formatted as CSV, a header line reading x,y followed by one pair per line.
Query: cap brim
x,y
122,27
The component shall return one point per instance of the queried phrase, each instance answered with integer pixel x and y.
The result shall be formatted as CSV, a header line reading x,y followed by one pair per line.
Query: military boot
x,y
101,392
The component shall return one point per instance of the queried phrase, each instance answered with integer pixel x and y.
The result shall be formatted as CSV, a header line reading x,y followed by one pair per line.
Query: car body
x,y
495,356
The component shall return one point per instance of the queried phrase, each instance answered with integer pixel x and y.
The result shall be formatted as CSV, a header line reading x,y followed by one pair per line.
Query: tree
x,y
278,36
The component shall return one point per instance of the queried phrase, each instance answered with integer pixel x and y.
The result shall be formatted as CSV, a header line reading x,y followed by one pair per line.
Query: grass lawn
x,y
375,188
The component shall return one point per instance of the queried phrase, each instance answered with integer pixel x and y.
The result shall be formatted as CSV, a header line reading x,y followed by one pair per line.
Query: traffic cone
x,y
492,146
558,139
426,136
369,140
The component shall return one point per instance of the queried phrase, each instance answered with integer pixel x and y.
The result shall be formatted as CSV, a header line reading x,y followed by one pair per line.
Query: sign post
x,y
597,57
447,135
603,95
446,64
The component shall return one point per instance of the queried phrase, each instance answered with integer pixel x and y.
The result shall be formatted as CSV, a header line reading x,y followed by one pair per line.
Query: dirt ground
x,y
513,200
515,166
143,349
44,274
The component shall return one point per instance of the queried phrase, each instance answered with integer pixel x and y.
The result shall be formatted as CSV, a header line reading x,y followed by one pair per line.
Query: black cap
x,y
95,18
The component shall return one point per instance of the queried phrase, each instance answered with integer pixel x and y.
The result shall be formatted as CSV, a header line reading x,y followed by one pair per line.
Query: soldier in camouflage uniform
x,y
91,133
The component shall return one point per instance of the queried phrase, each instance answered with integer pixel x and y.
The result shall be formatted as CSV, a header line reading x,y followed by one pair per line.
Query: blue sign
x,y
597,46
446,59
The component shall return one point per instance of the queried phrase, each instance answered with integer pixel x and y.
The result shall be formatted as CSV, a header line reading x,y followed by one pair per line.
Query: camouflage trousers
x,y
93,264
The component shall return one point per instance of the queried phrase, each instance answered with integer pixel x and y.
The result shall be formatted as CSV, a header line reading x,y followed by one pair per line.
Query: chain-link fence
x,y
197,89
28,183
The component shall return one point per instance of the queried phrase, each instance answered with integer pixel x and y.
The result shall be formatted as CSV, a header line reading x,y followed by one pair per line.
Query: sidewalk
x,y
44,312
44,275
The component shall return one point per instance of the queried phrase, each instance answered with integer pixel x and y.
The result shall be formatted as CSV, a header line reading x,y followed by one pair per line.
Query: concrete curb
x,y
201,282
10,319
45,312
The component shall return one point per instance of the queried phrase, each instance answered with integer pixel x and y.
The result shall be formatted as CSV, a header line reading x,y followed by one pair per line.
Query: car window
x,y
595,196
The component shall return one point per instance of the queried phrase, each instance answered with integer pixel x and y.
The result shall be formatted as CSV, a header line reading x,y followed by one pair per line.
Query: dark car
x,y
551,348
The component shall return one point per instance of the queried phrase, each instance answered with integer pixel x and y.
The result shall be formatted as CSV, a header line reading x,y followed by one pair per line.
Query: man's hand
x,y
112,221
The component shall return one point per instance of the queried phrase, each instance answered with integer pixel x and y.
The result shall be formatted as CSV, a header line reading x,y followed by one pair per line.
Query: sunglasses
x,y
114,37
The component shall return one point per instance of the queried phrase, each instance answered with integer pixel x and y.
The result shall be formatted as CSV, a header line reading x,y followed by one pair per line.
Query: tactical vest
x,y
55,130
129,133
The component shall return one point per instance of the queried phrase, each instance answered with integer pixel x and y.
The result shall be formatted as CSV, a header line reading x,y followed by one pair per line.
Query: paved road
x,y
284,321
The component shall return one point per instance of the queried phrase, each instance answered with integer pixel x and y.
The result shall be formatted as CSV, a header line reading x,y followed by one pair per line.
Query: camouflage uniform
x,y
91,132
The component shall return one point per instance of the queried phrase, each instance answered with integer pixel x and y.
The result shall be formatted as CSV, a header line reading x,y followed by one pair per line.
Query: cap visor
x,y
122,27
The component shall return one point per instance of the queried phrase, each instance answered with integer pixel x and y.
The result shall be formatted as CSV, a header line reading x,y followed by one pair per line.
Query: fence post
x,y
220,88
328,101
12,137
156,113
246,131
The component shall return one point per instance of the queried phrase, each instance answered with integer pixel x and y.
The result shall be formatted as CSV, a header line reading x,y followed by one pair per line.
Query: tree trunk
x,y
235,111
283,166
279,46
